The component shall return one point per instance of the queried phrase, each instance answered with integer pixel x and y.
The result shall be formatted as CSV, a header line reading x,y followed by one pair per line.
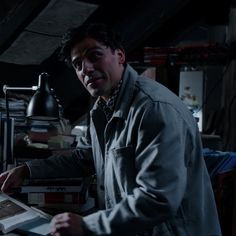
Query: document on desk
x,y
38,227
15,214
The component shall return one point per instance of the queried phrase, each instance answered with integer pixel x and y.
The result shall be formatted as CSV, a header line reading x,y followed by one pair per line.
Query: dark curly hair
x,y
98,31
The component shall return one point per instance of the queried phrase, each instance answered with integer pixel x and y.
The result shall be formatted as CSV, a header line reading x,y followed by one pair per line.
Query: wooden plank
x,y
17,19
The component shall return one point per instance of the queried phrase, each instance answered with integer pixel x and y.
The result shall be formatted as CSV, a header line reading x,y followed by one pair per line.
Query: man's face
x,y
97,66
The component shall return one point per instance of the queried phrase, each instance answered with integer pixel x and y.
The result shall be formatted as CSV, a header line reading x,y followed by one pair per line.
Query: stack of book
x,y
17,108
58,194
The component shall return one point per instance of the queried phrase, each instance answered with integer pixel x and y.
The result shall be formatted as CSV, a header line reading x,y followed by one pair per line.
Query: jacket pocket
x,y
123,164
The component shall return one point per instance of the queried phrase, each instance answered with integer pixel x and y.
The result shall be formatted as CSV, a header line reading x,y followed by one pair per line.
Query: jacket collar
x,y
126,93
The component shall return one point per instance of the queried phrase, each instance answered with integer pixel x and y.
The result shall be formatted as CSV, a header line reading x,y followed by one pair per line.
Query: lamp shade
x,y
43,105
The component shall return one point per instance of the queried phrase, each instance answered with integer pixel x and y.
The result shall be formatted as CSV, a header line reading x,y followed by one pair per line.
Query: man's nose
x,y
87,67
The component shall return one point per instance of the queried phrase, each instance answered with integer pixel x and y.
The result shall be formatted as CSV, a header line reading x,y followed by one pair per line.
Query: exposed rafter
x,y
15,20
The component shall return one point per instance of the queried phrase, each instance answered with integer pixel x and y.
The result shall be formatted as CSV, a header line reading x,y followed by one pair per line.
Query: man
x,y
142,143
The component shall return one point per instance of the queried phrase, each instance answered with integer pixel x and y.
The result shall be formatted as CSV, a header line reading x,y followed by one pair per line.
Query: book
x,y
53,188
54,191
55,198
15,214
57,181
57,208
56,185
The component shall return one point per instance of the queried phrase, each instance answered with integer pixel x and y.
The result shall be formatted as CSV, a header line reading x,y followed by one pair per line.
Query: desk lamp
x,y
42,106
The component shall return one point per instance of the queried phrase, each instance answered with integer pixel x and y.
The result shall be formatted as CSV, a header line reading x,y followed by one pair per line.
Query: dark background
x,y
192,33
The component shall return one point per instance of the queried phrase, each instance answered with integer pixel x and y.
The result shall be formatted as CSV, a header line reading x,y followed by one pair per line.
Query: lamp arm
x,y
6,88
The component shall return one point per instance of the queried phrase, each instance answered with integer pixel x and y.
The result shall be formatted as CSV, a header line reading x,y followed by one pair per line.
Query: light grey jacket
x,y
151,175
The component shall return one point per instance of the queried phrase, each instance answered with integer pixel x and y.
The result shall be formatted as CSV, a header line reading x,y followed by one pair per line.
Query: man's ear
x,y
121,54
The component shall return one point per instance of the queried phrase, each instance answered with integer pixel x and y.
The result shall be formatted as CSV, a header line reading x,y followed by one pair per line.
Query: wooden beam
x,y
17,19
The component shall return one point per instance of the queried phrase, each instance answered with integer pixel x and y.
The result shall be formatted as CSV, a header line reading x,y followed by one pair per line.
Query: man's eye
x,y
77,64
94,56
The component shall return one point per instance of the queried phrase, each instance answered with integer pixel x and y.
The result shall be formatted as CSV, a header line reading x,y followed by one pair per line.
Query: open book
x,y
15,214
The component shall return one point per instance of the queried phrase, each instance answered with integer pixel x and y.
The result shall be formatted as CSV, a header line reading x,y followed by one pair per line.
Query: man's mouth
x,y
92,80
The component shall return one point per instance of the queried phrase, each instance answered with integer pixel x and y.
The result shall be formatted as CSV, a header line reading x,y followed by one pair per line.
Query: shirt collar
x,y
109,106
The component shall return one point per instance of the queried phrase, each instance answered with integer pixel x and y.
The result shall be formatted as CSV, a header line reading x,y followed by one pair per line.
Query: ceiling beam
x,y
136,22
17,19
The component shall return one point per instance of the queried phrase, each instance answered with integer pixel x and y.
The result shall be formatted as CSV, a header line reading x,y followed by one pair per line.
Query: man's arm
x,y
77,163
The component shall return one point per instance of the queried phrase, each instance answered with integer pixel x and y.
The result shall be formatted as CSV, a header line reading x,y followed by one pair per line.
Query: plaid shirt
x,y
109,106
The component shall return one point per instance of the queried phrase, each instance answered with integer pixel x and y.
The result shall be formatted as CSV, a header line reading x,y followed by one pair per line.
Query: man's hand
x,y
13,178
67,224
